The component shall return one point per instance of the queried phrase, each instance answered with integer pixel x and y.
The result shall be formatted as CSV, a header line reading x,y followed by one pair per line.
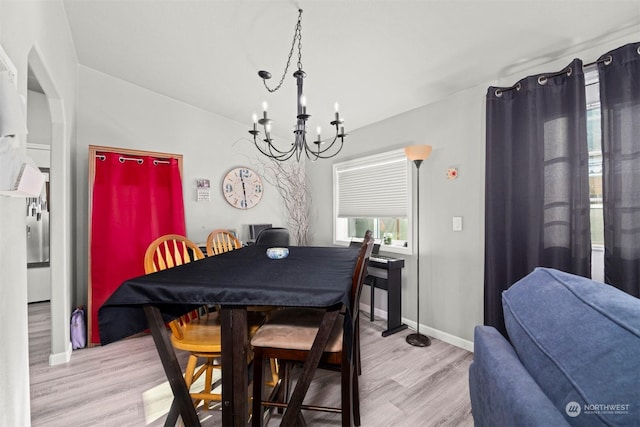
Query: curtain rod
x,y
139,161
542,79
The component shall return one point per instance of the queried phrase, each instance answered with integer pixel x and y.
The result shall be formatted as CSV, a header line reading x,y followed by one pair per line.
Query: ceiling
x,y
376,58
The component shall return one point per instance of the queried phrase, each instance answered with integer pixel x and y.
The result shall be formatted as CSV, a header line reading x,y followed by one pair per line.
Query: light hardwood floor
x,y
123,384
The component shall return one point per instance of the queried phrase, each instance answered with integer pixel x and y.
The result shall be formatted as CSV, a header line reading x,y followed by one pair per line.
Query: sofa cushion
x,y
502,391
580,340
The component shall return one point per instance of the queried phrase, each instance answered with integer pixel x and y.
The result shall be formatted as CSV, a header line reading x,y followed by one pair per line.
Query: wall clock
x,y
242,188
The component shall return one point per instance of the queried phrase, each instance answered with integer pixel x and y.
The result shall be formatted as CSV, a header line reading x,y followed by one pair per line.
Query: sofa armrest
x,y
502,391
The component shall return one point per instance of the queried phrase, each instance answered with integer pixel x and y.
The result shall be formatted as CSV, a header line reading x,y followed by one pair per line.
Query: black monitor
x,y
255,229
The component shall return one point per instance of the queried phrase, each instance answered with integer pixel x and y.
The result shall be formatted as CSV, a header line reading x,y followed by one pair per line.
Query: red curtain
x,y
134,202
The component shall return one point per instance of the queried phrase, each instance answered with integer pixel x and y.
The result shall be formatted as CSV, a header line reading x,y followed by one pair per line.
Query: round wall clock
x,y
242,188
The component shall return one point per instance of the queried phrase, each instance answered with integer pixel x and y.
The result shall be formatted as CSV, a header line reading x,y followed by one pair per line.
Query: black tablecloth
x,y
308,277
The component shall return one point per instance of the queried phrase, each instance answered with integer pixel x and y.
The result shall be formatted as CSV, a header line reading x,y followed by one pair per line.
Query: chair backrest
x,y
360,272
220,241
169,251
275,236
255,229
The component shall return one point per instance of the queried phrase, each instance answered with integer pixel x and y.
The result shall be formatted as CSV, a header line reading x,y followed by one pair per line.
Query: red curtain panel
x,y
135,200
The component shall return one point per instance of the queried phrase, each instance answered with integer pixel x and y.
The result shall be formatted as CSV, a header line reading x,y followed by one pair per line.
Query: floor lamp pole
x,y
418,339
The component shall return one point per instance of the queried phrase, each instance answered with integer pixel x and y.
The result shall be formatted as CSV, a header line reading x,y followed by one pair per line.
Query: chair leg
x,y
208,381
274,372
256,409
355,396
190,370
358,357
285,378
346,375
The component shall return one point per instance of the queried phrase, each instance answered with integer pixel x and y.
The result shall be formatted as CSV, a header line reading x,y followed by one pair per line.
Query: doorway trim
x,y
60,220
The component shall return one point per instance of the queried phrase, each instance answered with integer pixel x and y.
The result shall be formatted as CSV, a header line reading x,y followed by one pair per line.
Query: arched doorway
x,y
60,198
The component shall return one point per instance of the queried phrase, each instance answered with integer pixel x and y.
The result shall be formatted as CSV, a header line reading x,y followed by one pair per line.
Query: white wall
x,y
38,119
119,114
24,25
451,263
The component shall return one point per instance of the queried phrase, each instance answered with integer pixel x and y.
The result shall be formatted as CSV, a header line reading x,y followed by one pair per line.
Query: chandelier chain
x,y
297,35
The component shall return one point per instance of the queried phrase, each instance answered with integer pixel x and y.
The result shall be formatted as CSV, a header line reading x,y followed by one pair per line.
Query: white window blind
x,y
372,187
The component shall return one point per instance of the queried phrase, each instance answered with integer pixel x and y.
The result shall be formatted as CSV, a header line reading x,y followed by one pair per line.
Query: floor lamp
x,y
418,153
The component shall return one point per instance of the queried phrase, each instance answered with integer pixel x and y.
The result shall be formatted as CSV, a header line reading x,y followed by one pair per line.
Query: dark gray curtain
x,y
537,189
620,105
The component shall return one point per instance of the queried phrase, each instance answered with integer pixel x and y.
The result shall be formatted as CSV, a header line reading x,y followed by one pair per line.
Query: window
x,y
594,139
372,193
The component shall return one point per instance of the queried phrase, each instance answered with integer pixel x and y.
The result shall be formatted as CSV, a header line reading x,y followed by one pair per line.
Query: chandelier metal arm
x,y
320,154
284,155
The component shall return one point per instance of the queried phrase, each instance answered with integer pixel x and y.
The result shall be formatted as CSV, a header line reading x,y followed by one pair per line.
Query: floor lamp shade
x,y
418,153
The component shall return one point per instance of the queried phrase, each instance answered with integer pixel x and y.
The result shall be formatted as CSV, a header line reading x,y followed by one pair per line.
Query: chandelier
x,y
320,148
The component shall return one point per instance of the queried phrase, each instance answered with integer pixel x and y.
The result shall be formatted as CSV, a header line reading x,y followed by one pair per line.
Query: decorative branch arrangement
x,y
290,179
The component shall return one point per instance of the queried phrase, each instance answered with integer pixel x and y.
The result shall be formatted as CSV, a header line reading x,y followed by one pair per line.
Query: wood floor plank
x,y
120,384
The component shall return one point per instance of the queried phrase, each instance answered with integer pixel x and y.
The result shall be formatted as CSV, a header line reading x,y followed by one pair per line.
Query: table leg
x,y
292,415
233,325
182,399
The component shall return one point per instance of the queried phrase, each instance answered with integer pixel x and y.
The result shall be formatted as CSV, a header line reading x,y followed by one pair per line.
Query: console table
x,y
386,273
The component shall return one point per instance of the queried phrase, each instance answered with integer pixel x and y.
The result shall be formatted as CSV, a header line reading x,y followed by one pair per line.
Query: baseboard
x,y
444,336
61,358
378,312
432,332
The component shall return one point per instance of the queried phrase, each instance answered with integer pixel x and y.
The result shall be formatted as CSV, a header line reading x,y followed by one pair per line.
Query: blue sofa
x,y
572,358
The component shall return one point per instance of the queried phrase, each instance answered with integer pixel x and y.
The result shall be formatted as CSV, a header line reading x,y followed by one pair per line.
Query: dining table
x,y
309,276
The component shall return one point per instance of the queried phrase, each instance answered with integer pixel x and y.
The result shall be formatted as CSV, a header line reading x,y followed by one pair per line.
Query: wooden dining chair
x,y
220,241
288,335
168,251
198,331
274,236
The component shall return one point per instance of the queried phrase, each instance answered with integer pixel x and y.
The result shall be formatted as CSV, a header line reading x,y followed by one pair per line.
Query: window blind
x,y
373,187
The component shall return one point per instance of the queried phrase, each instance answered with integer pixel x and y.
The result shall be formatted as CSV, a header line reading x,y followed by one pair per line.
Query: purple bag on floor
x,y
78,329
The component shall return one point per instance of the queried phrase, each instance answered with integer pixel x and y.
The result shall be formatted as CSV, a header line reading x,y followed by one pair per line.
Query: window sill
x,y
383,248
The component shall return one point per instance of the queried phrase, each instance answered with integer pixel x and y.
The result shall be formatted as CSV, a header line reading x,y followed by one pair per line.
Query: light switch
x,y
457,223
